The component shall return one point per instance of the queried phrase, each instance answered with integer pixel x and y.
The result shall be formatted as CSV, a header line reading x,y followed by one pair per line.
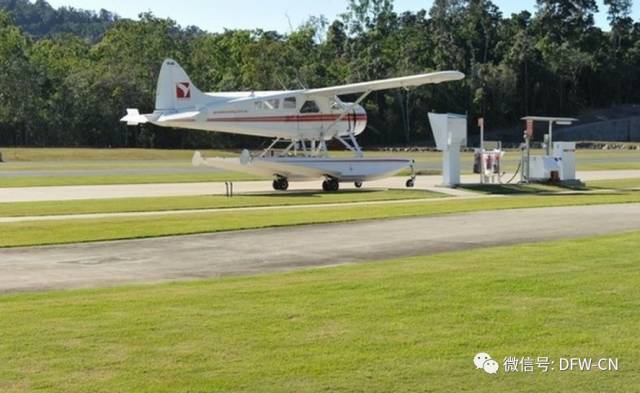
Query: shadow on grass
x,y
615,187
321,194
307,194
525,189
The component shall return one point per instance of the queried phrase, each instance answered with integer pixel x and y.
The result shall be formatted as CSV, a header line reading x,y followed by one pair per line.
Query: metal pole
x,y
482,162
522,163
550,138
528,159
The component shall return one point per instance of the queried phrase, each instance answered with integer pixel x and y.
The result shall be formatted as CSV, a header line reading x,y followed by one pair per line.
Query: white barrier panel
x,y
450,133
449,129
540,167
565,154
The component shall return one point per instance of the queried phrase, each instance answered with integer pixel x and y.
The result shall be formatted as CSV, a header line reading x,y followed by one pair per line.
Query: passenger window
x,y
310,107
272,104
259,105
290,103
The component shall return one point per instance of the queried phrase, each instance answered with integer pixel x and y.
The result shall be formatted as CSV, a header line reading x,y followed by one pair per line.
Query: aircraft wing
x,y
134,117
385,84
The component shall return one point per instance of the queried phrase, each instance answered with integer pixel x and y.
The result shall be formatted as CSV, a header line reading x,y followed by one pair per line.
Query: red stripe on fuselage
x,y
284,119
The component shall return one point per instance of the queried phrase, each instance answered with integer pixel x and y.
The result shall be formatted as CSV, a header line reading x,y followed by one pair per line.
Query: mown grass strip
x,y
94,180
410,325
124,205
58,232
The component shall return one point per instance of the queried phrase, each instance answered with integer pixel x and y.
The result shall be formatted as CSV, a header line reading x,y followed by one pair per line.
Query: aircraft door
x,y
290,105
310,120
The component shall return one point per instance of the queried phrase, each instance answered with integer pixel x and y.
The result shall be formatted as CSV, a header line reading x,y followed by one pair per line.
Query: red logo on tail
x,y
183,90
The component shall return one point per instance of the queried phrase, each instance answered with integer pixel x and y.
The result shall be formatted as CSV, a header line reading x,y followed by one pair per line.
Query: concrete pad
x,y
284,249
431,183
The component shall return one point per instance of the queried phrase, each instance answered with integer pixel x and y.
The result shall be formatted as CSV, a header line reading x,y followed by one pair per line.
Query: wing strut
x,y
268,149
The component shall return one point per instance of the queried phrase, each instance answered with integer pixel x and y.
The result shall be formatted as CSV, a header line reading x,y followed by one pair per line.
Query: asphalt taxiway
x,y
284,249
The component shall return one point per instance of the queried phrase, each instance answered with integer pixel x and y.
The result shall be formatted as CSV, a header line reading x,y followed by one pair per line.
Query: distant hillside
x,y
40,19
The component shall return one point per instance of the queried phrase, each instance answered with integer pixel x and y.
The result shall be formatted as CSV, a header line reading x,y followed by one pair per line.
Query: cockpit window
x,y
272,104
290,103
267,105
310,107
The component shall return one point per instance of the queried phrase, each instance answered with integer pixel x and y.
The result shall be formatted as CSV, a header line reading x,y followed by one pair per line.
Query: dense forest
x,y
67,75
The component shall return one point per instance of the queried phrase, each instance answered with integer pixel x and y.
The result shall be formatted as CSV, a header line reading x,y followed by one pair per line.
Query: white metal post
x,y
482,161
550,141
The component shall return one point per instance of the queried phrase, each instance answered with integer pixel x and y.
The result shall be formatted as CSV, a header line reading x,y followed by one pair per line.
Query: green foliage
x,y
67,79
39,19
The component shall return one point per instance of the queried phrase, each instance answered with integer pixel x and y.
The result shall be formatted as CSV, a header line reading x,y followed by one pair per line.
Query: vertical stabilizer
x,y
175,90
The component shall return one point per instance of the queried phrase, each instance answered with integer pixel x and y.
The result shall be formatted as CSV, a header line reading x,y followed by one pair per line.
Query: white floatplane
x,y
303,119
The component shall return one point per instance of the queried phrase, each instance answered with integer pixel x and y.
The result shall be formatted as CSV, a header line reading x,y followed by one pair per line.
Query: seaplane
x,y
302,121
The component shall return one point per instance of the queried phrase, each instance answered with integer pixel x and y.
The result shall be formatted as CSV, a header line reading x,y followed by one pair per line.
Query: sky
x,y
279,15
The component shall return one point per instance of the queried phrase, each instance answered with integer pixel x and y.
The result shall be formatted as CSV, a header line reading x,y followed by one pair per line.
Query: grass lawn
x,y
587,160
28,167
24,160
11,154
410,325
73,231
150,178
618,184
203,202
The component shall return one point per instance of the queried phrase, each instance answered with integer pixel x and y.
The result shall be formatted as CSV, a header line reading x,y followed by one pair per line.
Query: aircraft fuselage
x,y
286,115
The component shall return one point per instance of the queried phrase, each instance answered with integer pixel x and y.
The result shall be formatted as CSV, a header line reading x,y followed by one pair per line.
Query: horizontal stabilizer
x,y
183,116
133,118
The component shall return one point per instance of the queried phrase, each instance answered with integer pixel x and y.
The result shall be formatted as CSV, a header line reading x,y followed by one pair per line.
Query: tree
x,y
565,20
619,19
40,19
19,86
67,75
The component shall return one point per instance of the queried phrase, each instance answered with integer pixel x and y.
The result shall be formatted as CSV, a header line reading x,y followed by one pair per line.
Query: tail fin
x,y
175,90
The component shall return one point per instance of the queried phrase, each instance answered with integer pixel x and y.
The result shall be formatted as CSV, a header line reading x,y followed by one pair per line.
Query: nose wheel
x,y
358,184
281,184
331,185
412,181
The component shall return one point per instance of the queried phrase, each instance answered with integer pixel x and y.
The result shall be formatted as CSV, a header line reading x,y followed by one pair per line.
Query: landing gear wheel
x,y
410,183
284,184
330,185
280,184
358,184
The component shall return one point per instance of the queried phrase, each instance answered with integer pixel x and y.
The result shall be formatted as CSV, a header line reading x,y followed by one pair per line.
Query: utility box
x,y
540,168
450,133
565,155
